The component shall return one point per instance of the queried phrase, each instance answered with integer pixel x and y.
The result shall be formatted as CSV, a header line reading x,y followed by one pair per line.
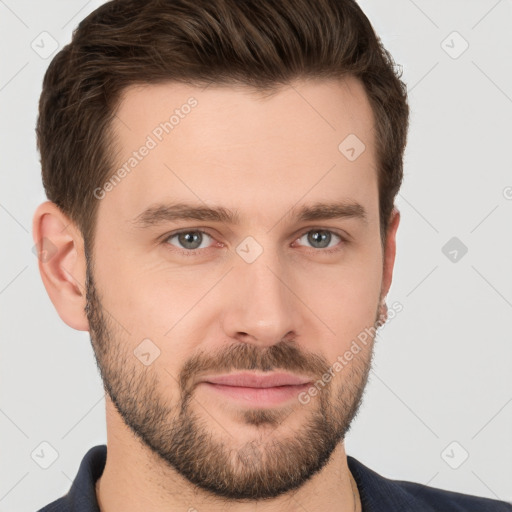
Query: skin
x,y
261,156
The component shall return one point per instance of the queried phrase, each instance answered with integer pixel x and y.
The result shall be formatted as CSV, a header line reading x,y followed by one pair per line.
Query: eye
x,y
322,238
191,240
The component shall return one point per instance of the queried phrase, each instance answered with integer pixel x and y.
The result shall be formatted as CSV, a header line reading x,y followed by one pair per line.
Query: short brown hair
x,y
255,43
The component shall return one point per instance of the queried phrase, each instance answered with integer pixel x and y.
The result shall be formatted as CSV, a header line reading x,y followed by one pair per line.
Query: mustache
x,y
284,355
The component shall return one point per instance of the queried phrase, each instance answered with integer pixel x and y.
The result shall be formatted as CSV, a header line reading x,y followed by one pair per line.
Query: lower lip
x,y
262,397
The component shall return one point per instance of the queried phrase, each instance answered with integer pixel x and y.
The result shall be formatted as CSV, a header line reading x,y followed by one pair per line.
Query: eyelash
x,y
196,252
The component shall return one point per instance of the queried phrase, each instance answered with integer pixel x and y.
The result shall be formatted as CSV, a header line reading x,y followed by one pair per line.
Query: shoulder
x,y
452,501
382,494
81,497
60,505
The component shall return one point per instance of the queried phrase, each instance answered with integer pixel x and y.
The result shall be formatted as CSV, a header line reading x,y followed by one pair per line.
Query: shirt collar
x,y
378,494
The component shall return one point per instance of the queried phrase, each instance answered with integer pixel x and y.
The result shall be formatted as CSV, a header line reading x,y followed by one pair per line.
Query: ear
x,y
60,251
389,256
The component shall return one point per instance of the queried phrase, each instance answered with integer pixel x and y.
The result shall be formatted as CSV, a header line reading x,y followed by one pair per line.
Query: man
x,y
221,179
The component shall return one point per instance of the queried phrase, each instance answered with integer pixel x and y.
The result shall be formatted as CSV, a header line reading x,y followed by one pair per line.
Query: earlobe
x,y
61,263
383,311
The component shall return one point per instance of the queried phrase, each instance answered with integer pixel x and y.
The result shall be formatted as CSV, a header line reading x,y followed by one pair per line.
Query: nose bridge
x,y
262,307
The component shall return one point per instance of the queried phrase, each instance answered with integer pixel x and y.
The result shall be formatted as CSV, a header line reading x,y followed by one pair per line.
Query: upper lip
x,y
252,380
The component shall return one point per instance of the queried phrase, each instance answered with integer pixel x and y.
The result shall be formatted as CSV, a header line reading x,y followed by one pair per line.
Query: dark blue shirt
x,y
378,494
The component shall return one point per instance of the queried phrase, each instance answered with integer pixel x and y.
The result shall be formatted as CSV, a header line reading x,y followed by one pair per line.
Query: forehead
x,y
236,147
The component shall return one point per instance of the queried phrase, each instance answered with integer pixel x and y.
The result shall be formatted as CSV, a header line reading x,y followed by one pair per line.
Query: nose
x,y
262,308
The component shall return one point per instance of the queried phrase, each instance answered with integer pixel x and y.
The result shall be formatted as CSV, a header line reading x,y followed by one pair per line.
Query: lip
x,y
250,389
253,380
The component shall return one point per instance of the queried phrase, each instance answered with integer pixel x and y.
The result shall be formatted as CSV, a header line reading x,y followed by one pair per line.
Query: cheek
x,y
164,308
345,300
145,296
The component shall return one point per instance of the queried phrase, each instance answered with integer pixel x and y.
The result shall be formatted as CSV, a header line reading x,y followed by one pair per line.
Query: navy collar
x,y
378,494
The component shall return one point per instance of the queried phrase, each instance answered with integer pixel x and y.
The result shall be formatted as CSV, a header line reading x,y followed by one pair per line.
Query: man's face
x,y
271,293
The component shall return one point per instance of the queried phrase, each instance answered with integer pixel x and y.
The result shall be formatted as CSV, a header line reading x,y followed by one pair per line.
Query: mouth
x,y
256,390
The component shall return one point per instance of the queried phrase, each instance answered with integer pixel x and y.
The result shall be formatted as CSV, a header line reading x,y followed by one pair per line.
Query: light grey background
x,y
443,365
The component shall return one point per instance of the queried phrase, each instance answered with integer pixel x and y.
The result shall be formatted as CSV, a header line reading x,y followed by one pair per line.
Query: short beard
x,y
266,467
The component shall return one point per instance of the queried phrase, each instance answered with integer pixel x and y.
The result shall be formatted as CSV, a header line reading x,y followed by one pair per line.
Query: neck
x,y
136,479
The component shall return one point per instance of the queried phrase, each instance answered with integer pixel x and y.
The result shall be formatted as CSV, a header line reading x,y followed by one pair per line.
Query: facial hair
x,y
181,435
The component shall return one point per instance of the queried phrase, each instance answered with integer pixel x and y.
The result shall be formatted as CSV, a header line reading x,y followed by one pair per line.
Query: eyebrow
x,y
158,214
